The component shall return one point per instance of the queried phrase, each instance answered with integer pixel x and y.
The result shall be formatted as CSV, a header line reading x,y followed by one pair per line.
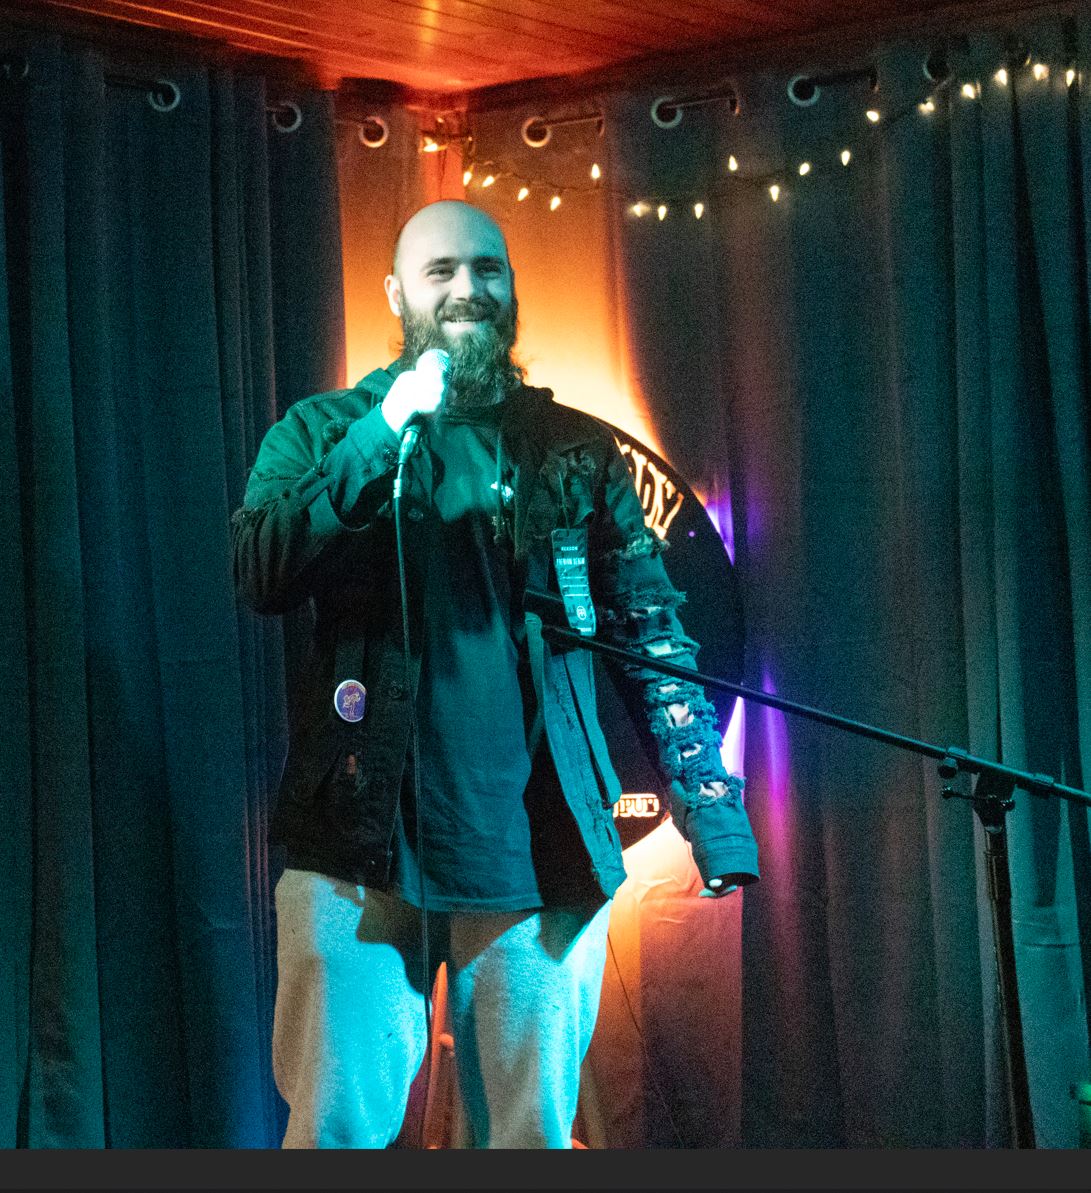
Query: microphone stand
x,y
991,798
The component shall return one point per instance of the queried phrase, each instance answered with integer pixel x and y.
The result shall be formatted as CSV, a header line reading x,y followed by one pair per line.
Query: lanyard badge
x,y
574,578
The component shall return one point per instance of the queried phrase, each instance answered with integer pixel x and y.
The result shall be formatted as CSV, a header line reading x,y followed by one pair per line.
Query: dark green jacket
x,y
316,525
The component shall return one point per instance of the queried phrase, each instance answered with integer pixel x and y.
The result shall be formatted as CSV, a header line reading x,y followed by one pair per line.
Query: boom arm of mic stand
x,y
991,800
952,758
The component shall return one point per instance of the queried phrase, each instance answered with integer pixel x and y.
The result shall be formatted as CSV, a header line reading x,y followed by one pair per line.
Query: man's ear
x,y
393,294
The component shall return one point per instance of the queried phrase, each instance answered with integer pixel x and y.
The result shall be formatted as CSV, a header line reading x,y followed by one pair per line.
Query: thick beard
x,y
482,371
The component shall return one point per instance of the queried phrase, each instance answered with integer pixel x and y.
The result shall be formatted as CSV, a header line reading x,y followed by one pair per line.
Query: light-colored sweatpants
x,y
349,1031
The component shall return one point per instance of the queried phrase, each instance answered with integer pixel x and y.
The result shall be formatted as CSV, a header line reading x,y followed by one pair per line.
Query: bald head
x,y
444,228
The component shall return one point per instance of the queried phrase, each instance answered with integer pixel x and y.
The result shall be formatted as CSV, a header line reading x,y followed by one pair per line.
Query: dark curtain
x,y
169,280
884,377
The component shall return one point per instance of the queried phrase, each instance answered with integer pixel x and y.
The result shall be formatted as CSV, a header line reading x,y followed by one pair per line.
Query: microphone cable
x,y
410,437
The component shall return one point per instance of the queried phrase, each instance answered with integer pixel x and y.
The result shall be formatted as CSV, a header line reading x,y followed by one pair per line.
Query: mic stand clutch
x,y
991,799
410,439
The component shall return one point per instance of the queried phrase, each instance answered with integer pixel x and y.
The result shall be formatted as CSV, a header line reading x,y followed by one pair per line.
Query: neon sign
x,y
660,497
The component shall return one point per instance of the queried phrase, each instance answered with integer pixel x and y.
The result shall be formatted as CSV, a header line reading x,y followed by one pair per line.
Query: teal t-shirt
x,y
474,697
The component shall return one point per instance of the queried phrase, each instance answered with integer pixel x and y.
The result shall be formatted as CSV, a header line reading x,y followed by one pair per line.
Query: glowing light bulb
x,y
488,180
846,156
1001,77
969,91
1040,71
1069,77
429,144
804,169
523,192
554,203
596,173
467,176
639,209
873,115
698,210
928,107
774,192
661,211
732,163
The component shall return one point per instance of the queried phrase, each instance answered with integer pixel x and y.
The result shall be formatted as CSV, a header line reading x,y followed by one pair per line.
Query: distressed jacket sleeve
x,y
638,605
304,505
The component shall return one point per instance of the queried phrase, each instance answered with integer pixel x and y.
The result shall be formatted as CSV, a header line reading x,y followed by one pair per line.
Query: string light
x,y
1069,77
1001,75
429,144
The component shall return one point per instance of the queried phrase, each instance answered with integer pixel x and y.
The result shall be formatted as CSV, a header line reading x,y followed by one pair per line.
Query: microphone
x,y
435,360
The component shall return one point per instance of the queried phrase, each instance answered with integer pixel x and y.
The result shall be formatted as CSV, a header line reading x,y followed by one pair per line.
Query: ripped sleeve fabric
x,y
639,612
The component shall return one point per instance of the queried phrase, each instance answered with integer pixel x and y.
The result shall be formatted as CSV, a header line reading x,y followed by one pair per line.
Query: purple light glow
x,y
732,749
755,519
777,761
720,515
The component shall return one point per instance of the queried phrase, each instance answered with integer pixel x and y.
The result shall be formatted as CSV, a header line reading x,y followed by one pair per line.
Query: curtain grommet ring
x,y
286,117
535,132
378,136
935,67
803,91
164,96
664,113
16,68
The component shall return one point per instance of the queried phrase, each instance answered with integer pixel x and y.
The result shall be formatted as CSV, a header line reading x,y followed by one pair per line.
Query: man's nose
x,y
465,283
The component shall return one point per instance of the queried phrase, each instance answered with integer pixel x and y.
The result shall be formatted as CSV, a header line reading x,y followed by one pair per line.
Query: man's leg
x,y
348,1031
524,994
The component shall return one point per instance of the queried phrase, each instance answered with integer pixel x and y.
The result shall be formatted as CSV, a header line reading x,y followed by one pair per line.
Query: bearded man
x,y
491,845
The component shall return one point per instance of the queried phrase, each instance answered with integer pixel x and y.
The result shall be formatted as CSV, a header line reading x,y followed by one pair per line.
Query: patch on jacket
x,y
334,431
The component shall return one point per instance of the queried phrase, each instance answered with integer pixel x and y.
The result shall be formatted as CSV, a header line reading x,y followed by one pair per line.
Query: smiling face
x,y
453,288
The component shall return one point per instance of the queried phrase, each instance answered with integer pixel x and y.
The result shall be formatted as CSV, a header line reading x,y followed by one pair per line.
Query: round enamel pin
x,y
349,700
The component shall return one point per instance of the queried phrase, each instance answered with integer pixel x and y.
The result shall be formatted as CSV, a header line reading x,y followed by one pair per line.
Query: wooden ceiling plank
x,y
466,44
647,30
668,13
256,38
415,15
331,65
611,16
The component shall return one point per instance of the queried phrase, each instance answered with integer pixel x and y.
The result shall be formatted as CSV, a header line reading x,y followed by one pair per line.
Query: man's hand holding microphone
x,y
417,392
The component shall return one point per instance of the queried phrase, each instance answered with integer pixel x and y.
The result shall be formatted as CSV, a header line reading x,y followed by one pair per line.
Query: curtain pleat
x,y
147,732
